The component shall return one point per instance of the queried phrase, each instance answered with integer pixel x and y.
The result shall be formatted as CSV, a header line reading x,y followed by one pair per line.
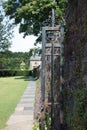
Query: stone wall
x,y
75,72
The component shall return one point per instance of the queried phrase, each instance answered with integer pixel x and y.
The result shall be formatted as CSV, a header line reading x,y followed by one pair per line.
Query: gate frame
x,y
52,45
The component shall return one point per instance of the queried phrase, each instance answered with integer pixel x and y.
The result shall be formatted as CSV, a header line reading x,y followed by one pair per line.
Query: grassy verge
x,y
11,90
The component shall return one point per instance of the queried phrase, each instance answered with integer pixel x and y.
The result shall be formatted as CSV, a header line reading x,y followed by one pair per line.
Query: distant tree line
x,y
12,60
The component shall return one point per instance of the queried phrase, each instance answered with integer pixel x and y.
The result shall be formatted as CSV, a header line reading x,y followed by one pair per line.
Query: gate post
x,y
43,76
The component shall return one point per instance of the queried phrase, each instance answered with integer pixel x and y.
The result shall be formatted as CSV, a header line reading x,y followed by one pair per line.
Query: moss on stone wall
x,y
75,59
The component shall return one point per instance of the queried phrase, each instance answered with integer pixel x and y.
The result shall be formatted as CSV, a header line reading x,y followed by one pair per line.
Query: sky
x,y
20,44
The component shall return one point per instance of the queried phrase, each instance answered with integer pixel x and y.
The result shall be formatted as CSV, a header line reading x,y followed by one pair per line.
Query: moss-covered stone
x,y
75,63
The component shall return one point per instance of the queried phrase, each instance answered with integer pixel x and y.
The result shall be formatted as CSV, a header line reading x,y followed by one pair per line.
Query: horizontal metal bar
x,y
57,45
56,54
52,28
47,54
50,54
50,45
55,103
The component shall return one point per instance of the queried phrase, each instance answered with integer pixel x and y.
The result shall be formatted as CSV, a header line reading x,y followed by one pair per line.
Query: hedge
x,y
5,73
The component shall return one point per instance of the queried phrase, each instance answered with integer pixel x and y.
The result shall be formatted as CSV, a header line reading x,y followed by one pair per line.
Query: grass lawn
x,y
11,90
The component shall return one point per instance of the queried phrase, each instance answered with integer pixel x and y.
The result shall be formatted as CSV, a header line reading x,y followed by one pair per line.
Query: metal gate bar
x,y
43,76
52,87
51,45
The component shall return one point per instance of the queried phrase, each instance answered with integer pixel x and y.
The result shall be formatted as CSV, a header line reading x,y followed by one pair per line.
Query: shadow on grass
x,y
27,78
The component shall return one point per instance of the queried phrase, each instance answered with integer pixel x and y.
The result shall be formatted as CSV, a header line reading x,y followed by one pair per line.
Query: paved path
x,y
22,118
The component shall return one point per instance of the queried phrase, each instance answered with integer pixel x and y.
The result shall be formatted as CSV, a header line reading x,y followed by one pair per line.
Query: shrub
x,y
5,73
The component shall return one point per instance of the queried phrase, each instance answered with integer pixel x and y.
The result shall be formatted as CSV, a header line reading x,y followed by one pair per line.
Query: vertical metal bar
x,y
61,68
43,63
53,16
61,56
43,72
52,87
52,75
61,78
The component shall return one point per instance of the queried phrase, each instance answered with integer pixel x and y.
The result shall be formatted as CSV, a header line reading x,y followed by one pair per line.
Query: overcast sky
x,y
20,44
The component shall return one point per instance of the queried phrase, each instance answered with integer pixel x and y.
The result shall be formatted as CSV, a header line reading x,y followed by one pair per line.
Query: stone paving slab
x,y
25,102
26,96
22,118
22,125
25,112
24,105
29,94
27,99
14,119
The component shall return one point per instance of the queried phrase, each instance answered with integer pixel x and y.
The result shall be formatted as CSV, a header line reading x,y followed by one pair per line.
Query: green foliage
x,y
31,14
8,73
22,67
47,121
79,119
34,51
12,60
5,31
36,127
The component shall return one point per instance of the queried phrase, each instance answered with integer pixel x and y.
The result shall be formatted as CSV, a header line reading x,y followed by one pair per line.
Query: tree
x,y
31,14
5,31
34,51
12,60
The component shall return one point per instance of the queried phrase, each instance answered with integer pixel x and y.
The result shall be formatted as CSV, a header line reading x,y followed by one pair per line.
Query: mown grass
x,y
11,90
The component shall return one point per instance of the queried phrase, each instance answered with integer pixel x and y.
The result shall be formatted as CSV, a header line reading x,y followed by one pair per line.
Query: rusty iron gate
x,y
52,74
